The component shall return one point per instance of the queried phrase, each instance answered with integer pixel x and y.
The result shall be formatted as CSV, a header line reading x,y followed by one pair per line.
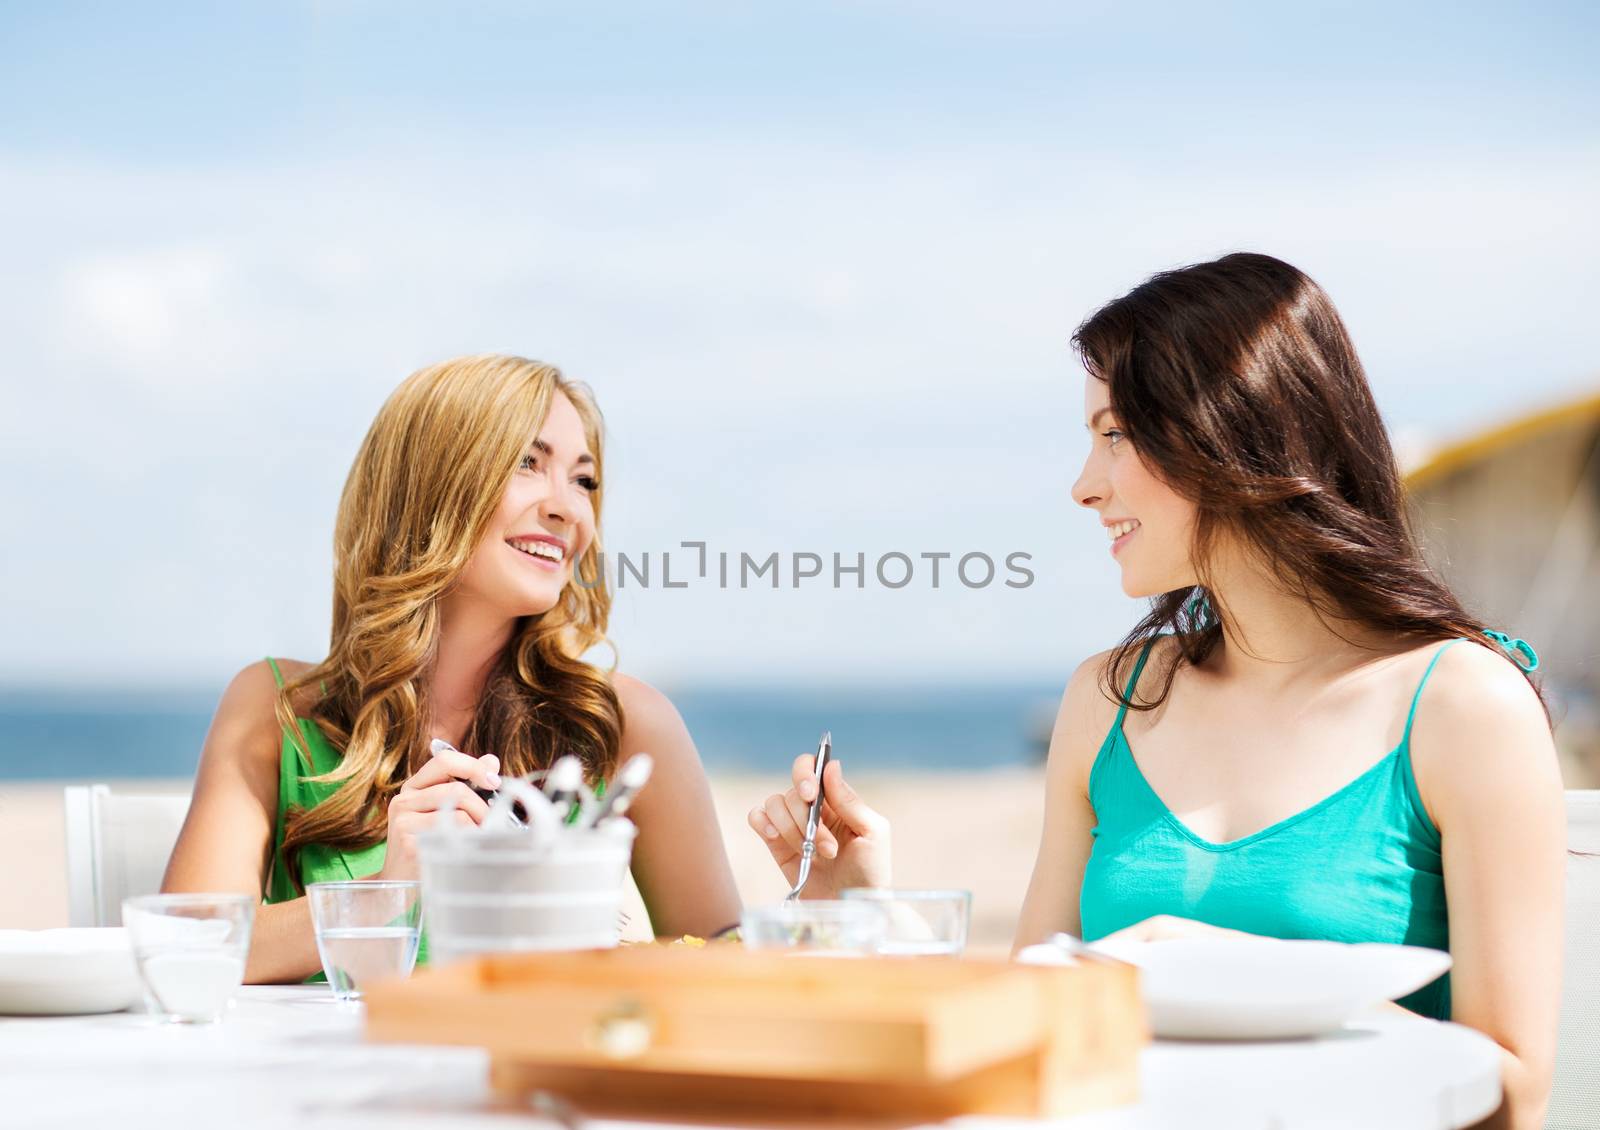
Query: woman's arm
x,y
679,860
1051,905
1486,767
226,839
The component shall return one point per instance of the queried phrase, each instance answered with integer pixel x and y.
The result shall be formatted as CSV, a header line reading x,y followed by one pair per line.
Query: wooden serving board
x,y
717,1030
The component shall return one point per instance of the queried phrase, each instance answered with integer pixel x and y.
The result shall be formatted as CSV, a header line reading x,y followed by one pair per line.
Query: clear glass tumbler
x,y
919,923
191,951
367,930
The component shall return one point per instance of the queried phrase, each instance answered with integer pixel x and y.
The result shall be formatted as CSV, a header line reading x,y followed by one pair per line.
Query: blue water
x,y
74,735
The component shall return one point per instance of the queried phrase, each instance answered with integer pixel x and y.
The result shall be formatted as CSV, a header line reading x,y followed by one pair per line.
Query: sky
x,y
820,264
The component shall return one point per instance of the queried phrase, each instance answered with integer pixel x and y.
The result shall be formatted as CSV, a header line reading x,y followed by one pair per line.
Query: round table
x,y
290,1055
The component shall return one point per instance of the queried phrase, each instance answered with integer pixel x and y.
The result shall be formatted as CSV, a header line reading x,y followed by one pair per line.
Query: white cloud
x,y
796,348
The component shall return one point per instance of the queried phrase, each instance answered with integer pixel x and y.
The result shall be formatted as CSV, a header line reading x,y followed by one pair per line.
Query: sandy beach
x,y
977,831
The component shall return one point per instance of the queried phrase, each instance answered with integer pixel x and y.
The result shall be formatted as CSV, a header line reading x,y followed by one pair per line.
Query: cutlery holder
x,y
500,892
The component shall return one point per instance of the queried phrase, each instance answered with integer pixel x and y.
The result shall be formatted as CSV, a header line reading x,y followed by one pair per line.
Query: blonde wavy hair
x,y
418,501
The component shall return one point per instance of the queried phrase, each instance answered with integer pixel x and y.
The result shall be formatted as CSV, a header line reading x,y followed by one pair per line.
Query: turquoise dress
x,y
1361,865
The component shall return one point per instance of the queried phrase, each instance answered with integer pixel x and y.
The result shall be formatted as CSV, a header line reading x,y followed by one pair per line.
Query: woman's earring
x,y
1199,611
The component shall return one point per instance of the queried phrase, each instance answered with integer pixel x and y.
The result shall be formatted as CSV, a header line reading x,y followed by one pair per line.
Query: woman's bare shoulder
x,y
1089,709
1473,686
1088,688
647,714
1110,673
1480,734
292,668
246,724
651,724
638,695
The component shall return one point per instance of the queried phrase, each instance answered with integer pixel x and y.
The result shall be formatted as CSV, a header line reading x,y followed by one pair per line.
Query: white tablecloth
x,y
290,1056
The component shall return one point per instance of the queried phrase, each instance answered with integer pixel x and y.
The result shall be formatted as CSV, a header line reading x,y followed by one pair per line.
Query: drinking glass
x,y
367,930
919,923
190,950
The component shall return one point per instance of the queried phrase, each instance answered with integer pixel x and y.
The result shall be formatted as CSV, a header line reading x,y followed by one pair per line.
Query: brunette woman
x,y
1308,736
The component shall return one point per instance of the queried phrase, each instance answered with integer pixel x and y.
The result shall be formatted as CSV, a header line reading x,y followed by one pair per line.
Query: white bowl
x,y
1263,988
67,971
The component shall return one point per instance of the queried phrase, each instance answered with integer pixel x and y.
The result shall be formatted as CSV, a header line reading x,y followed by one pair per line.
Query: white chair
x,y
117,847
1575,1100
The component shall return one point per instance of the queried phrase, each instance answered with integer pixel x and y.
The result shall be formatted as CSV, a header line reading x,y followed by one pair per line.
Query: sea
x,y
112,734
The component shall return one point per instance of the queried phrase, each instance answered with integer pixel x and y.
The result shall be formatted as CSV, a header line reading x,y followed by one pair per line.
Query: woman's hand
x,y
852,840
1166,927
448,775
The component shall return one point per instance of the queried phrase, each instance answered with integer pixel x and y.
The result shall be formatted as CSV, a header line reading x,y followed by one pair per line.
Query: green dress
x,y
317,863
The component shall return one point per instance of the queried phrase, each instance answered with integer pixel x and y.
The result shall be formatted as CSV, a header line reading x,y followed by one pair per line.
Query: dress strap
x,y
1520,651
1138,669
1411,717
278,675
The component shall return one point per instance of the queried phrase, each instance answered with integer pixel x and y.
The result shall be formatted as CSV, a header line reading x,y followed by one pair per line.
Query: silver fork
x,y
808,847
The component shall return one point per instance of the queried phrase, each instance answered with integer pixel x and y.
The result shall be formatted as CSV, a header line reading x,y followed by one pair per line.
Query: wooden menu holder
x,y
721,1030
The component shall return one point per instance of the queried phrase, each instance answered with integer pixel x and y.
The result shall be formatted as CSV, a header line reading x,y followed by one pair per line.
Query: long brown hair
x,y
1240,388
419,499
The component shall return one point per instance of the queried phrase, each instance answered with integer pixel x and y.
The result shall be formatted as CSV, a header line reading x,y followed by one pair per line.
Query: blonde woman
x,y
467,588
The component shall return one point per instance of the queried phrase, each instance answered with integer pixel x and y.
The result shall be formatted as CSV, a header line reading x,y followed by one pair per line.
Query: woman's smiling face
x,y
545,521
1150,524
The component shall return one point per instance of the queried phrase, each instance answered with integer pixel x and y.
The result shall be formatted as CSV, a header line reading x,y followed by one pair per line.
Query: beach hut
x,y
1511,518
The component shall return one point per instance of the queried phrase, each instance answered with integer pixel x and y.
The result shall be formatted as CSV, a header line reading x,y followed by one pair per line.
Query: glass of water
x,y
190,950
919,923
367,930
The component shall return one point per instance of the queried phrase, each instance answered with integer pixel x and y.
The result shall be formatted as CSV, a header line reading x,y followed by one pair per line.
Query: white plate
x,y
67,971
1263,988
